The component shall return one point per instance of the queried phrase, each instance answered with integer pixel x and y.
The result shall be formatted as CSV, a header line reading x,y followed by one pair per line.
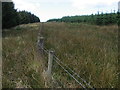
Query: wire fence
x,y
68,70
79,80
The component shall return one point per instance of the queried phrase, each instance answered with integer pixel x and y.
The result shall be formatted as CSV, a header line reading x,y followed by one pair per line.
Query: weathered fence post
x,y
50,60
41,28
48,73
41,44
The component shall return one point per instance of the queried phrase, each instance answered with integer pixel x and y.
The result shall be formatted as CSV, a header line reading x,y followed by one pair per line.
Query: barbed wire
x,y
71,75
45,50
63,67
74,72
58,61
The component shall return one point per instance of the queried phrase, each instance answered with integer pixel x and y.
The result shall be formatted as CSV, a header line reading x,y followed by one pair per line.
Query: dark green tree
x,y
11,18
9,15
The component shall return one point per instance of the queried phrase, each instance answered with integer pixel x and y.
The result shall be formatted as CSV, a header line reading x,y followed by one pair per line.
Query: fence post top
x,y
41,37
51,51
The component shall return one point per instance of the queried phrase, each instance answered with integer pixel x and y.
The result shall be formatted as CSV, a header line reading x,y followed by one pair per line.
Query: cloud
x,y
86,4
24,5
44,9
44,1
47,9
5,0
27,5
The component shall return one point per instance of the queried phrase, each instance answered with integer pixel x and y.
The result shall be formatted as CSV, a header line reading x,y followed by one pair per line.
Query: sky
x,y
49,9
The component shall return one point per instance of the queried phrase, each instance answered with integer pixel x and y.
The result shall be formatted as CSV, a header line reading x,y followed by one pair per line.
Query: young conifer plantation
x,y
97,19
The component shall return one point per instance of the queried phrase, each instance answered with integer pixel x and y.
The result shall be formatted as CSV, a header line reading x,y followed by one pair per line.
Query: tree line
x,y
11,17
99,18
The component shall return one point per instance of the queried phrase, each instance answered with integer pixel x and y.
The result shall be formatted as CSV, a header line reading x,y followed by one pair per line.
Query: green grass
x,y
90,50
21,65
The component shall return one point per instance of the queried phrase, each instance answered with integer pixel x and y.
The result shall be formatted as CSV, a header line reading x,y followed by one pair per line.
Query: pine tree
x,y
9,15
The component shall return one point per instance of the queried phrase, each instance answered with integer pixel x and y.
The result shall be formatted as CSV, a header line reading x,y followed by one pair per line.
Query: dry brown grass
x,y
22,67
90,50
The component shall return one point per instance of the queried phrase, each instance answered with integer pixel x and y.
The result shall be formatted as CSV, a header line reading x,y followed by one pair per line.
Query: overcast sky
x,y
48,9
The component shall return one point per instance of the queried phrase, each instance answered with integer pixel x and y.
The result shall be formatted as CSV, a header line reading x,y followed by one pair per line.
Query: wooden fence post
x,y
50,60
41,28
41,43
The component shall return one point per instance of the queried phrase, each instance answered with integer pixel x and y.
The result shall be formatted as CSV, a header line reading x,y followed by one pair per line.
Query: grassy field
x,y
22,66
89,50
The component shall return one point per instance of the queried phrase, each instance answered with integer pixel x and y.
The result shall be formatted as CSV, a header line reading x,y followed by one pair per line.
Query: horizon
x,y
51,9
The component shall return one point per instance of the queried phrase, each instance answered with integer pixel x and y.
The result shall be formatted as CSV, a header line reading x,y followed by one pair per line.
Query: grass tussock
x,y
90,50
22,67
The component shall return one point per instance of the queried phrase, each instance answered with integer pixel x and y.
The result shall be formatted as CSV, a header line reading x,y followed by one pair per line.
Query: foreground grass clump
x,y
91,51
21,65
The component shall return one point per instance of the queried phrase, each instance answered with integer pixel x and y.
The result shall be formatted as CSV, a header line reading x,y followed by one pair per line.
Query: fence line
x,y
41,47
56,58
71,75
58,61
73,72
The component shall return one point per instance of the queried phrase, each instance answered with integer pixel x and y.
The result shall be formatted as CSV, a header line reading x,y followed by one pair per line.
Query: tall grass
x,y
22,66
90,50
